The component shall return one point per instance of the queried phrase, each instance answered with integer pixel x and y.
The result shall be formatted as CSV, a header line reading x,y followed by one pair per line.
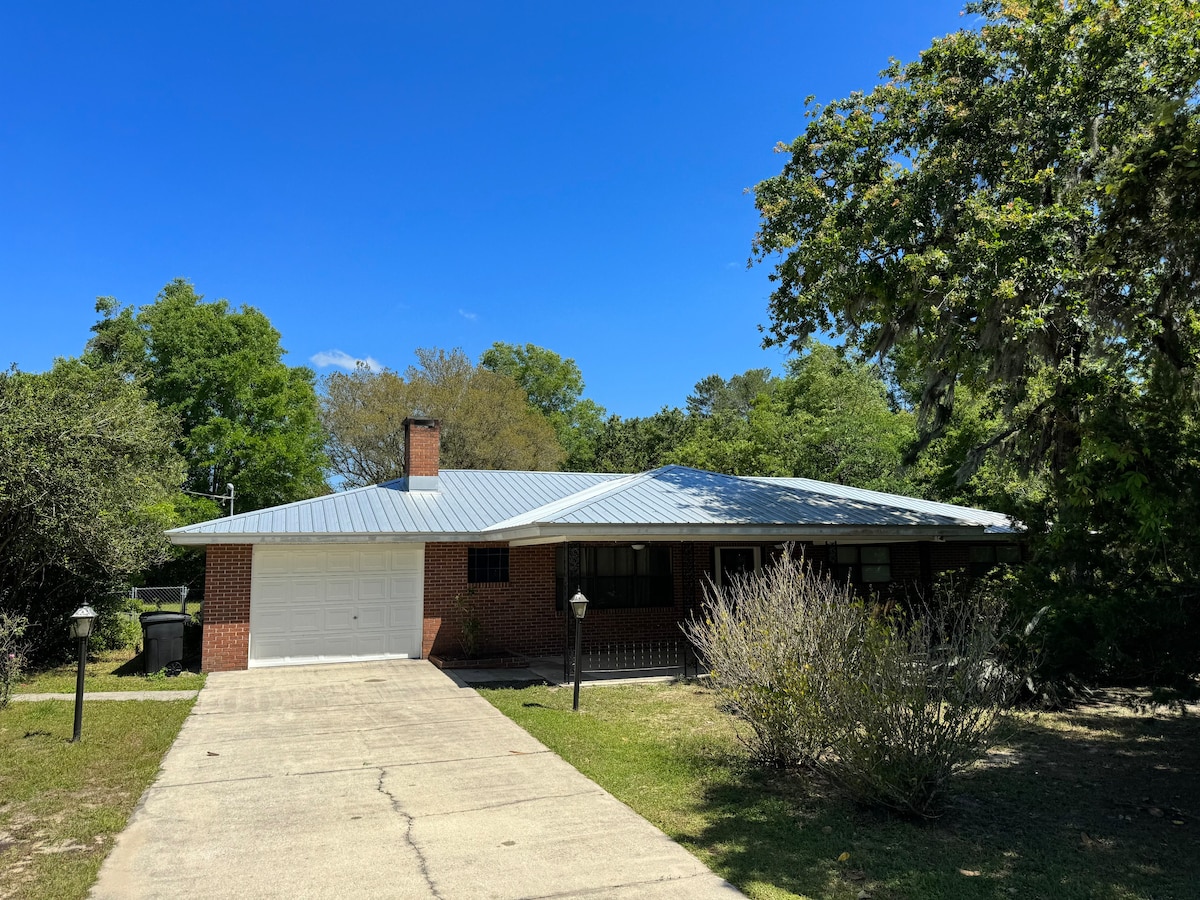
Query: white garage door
x,y
336,603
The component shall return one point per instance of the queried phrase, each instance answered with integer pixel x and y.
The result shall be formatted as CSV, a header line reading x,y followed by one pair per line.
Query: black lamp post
x,y
579,608
82,622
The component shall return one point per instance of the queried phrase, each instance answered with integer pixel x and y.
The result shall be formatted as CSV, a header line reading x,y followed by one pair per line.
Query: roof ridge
x,y
578,500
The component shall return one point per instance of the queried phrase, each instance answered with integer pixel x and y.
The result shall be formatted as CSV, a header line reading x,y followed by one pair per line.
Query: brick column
x,y
226,640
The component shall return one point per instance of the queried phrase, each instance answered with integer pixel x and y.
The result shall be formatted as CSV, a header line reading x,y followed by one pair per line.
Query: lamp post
x,y
82,622
579,608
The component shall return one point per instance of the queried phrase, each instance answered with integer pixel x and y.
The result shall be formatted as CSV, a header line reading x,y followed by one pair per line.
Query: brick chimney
x,y
422,444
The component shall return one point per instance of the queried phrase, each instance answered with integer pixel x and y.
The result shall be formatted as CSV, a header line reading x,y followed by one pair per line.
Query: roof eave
x,y
527,535
192,539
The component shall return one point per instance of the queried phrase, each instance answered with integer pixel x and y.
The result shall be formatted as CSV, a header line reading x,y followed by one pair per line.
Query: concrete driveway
x,y
380,780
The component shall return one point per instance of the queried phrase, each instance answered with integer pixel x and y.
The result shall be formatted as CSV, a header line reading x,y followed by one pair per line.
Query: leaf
x,y
845,856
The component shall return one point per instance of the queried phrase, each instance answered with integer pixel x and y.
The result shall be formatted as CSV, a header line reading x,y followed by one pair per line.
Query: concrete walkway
x,y
109,695
380,780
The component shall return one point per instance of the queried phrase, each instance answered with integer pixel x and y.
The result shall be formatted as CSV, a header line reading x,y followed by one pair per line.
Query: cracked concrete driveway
x,y
380,780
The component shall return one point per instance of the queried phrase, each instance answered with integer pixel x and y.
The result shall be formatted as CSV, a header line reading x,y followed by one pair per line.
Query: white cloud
x,y
469,316
327,358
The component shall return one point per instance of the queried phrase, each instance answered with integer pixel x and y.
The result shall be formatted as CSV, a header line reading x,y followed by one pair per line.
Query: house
x,y
374,572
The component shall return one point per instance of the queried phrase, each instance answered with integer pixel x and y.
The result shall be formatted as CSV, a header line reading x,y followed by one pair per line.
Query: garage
x,y
335,603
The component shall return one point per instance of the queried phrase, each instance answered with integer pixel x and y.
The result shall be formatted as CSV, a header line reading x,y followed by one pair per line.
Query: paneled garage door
x,y
336,603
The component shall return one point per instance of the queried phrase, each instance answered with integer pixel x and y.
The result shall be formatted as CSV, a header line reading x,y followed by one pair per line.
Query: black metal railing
x,y
675,654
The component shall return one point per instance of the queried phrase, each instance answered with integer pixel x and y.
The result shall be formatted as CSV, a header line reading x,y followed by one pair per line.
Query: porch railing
x,y
623,656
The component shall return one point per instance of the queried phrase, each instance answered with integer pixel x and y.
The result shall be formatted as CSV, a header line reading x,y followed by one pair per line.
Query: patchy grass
x,y
63,804
1099,802
113,671
193,607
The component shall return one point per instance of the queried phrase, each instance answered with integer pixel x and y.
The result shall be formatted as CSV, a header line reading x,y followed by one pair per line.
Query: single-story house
x,y
374,572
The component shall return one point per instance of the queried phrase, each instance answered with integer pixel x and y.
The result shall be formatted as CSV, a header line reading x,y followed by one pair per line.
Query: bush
x,y
889,705
919,701
774,642
12,653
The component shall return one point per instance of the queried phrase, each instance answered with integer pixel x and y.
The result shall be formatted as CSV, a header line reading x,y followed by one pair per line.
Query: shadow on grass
x,y
135,666
1097,803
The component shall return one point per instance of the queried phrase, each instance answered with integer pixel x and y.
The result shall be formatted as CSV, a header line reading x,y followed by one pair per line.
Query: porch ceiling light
x,y
638,546
579,604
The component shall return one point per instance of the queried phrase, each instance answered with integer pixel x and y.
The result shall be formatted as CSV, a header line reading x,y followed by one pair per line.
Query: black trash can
x,y
162,639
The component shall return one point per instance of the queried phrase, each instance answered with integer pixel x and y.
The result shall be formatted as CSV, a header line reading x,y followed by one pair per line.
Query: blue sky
x,y
381,177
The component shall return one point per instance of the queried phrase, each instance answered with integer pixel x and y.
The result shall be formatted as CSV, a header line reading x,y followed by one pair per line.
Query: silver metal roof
x,y
539,506
677,495
466,503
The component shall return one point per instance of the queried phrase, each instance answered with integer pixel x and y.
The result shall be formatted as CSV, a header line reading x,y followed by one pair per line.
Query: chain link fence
x,y
175,595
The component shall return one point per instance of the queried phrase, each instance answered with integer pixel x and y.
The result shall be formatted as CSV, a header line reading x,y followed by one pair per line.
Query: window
x,y
619,577
985,557
487,565
870,564
734,561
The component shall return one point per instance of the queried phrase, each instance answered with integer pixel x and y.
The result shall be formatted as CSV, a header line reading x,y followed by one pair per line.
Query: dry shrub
x,y
920,700
774,642
889,705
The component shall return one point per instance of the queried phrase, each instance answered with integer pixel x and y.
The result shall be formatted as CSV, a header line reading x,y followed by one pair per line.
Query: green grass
x,y
120,670
193,607
1068,808
62,804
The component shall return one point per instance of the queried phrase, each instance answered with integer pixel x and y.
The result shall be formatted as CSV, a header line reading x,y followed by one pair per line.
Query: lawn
x,y
1100,802
118,670
63,804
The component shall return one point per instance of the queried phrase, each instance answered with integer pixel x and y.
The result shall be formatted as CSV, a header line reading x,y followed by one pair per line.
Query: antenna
x,y
226,496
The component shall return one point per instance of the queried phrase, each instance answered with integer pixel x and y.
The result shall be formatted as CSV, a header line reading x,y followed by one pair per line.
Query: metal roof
x,y
540,506
467,502
677,495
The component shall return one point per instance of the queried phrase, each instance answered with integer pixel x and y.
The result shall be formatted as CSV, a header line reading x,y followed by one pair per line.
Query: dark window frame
x,y
647,582
847,562
983,558
487,565
719,567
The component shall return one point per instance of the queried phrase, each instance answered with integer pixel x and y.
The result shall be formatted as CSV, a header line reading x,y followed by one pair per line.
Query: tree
x,y
87,474
487,422
1016,211
714,395
827,419
555,388
245,416
363,413
641,443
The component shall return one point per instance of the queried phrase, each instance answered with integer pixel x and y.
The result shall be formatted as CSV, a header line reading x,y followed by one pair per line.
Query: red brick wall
x,y
422,444
520,616
226,639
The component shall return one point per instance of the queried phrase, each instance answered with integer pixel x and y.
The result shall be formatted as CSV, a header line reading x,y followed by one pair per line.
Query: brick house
x,y
373,572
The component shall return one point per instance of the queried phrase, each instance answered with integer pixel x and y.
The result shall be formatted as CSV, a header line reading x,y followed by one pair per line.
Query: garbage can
x,y
162,639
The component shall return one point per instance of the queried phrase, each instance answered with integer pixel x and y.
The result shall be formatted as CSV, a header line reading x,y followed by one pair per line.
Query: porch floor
x,y
550,669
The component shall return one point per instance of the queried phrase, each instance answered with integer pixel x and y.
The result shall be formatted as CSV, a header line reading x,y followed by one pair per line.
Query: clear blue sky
x,y
379,177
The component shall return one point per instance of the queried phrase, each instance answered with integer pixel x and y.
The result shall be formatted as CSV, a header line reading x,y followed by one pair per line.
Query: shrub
x,y
920,700
889,705
470,624
12,653
774,642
